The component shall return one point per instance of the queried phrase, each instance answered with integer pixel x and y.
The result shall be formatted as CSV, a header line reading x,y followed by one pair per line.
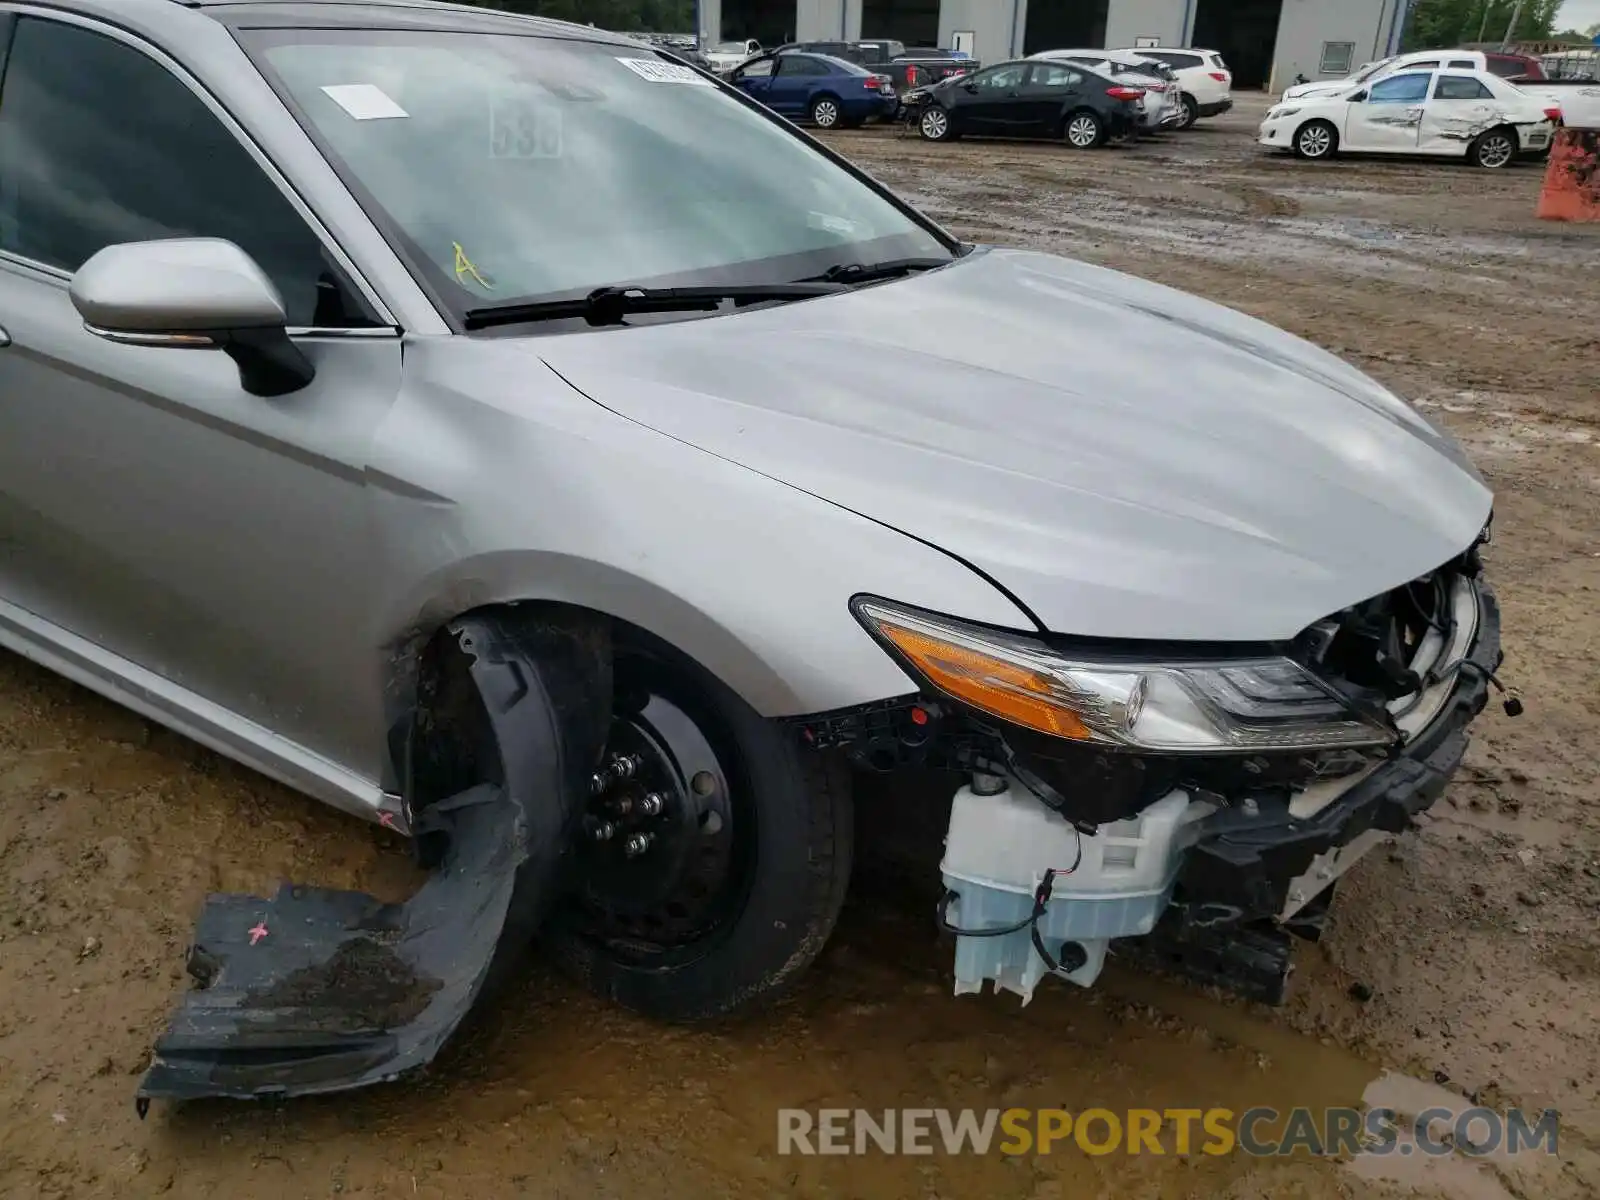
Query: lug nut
x,y
598,783
624,766
653,804
602,831
637,844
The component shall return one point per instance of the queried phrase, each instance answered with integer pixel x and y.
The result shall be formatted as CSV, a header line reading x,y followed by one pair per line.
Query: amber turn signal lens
x,y
1008,691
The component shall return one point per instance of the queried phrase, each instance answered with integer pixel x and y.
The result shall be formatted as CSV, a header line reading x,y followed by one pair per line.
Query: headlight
x,y
1236,705
1279,114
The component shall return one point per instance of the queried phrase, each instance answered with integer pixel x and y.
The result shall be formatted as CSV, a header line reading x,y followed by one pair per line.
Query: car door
x,y
1047,92
792,80
1390,117
995,106
165,536
754,79
1461,107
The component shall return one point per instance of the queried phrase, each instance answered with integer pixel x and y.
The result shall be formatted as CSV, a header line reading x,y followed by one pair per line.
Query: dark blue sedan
x,y
829,92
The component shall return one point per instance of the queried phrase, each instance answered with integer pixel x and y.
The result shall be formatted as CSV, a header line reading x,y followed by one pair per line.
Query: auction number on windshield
x,y
524,128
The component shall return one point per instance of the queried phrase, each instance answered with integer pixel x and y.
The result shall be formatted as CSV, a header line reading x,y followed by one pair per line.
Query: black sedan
x,y
1029,99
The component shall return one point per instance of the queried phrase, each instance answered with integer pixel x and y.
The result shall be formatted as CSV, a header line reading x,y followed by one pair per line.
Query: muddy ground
x,y
1479,939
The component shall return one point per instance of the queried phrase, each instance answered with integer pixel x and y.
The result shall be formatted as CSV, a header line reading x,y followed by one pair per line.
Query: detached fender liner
x,y
317,990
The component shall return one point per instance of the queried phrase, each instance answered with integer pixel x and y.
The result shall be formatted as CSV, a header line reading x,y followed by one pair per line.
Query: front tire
x,y
935,125
825,113
749,865
1494,149
1084,131
1316,141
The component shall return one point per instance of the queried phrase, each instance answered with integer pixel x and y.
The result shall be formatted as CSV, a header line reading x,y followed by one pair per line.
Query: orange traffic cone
x,y
1572,182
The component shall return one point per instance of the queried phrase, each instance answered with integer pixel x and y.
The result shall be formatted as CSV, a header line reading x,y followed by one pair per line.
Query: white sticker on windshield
x,y
364,101
657,71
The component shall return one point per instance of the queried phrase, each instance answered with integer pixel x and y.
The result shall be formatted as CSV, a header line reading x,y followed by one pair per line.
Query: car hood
x,y
1318,91
1127,460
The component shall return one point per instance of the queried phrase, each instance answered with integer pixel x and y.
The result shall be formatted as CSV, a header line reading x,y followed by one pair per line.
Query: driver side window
x,y
1002,78
101,144
1054,75
1401,89
758,70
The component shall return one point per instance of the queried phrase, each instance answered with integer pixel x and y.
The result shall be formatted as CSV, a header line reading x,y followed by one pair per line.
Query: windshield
x,y
1371,69
508,168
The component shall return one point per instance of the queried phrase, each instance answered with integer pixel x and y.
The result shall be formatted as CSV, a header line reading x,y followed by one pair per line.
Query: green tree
x,y
1442,23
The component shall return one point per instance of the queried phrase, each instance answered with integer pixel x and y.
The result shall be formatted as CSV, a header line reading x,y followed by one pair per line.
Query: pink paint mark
x,y
259,932
386,820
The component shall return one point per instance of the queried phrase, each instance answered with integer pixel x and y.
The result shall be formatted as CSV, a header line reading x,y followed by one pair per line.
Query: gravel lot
x,y
1479,940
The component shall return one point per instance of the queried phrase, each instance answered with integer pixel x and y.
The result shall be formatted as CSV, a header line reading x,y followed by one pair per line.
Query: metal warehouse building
x,y
1266,42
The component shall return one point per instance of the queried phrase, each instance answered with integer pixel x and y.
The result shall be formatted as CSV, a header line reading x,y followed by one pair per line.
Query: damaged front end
x,y
316,990
1190,807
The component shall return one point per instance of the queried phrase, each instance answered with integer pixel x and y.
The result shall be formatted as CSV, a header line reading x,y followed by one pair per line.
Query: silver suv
x,y
507,433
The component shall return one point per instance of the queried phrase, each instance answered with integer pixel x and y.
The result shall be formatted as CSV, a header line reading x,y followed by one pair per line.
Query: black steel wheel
x,y
713,858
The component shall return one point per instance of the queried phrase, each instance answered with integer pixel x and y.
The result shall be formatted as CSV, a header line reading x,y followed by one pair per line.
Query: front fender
x,y
496,481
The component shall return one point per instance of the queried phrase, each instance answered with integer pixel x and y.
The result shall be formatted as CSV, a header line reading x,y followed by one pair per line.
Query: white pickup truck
x,y
1578,99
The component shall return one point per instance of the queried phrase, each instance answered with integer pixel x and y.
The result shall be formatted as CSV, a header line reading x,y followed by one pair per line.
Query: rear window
x,y
802,64
1178,62
1512,66
1462,87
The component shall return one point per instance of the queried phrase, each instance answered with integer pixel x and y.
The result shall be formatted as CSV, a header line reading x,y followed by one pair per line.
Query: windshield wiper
x,y
609,305
891,269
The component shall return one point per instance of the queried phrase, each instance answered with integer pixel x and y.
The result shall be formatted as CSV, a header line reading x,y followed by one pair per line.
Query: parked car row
x,y
907,68
1451,112
1087,98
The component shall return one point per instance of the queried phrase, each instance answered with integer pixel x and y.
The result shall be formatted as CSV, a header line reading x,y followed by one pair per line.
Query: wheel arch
x,y
1338,133
1506,127
523,587
1079,109
445,740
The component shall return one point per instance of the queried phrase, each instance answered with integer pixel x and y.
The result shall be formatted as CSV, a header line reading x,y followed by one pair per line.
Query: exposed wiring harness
x,y
1041,901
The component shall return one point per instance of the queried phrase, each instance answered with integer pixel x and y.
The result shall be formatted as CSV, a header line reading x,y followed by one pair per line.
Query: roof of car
x,y
432,14
833,60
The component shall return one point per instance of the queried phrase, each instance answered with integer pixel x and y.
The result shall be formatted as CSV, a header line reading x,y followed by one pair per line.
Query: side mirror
x,y
1358,98
970,87
197,293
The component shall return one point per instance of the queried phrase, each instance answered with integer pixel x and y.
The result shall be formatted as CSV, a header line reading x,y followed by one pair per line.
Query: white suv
x,y
1205,81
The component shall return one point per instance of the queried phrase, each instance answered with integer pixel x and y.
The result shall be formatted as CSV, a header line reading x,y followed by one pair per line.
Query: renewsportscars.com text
x,y
1260,1132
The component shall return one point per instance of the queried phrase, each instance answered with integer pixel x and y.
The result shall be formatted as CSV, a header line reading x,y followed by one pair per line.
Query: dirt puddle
x,y
558,1095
